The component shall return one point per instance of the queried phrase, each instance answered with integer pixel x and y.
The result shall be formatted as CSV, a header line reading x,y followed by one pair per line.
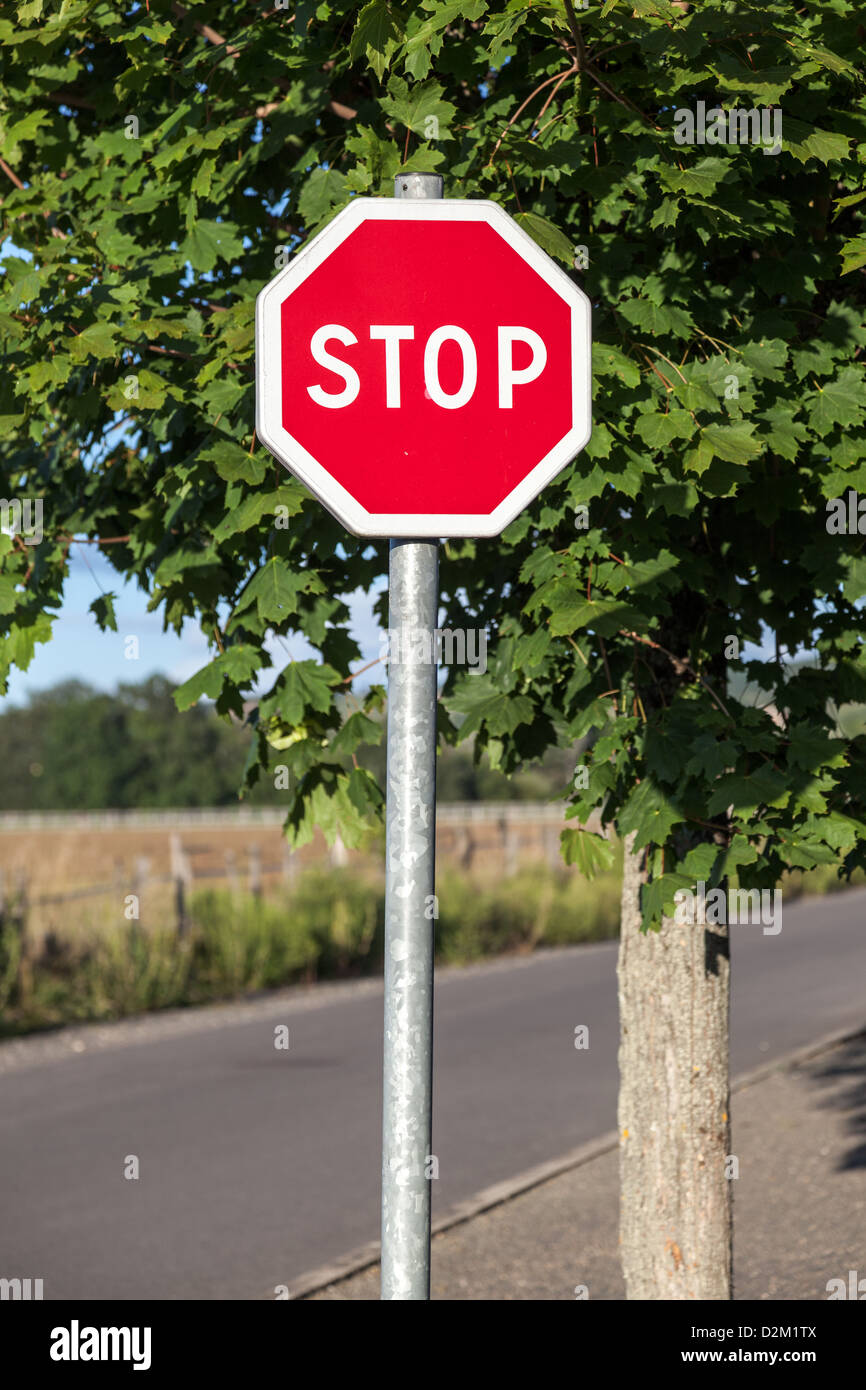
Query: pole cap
x,y
418,185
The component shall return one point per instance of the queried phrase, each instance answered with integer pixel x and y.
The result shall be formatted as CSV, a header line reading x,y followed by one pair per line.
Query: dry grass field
x,y
55,861
58,860
108,914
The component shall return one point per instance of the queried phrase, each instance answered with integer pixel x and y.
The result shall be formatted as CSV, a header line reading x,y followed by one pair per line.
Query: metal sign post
x,y
413,572
435,401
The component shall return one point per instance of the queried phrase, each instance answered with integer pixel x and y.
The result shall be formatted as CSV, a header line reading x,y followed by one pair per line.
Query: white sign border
x,y
292,454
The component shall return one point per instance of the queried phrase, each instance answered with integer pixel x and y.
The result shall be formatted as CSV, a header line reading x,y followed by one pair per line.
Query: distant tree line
x,y
76,748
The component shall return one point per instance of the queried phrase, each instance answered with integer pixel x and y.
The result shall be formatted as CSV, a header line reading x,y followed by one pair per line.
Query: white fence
x,y
448,813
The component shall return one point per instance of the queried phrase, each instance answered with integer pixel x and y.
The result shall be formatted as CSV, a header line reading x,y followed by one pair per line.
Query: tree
x,y
162,162
72,747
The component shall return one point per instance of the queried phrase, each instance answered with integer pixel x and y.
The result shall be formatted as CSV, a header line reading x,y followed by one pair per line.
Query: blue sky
x,y
79,649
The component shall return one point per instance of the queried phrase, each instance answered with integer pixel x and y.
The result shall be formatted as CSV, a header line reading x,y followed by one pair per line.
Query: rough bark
x,y
674,1128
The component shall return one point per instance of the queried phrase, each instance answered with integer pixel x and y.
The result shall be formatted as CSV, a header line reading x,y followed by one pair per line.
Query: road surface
x,y
258,1164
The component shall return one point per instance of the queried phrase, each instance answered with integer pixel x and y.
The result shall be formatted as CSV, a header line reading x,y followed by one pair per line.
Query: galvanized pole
x,y
409,901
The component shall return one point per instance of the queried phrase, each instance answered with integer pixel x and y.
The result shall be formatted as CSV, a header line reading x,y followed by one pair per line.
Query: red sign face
x,y
423,367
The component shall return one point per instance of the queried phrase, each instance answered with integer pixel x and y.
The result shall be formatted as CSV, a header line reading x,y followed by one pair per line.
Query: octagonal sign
x,y
423,367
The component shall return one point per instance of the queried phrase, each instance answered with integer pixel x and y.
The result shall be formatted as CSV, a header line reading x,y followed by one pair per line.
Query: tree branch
x,y
348,113
680,666
10,175
68,99
557,76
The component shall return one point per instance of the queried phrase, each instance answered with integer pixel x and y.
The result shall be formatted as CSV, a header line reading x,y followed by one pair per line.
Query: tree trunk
x,y
674,1127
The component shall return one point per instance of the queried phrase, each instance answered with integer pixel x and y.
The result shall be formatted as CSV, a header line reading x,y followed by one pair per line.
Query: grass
x,y
329,926
817,882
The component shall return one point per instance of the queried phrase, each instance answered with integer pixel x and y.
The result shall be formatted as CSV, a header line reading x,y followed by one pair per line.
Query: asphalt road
x,y
257,1164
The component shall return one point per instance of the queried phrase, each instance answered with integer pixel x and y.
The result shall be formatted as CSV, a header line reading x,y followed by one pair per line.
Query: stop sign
x,y
423,367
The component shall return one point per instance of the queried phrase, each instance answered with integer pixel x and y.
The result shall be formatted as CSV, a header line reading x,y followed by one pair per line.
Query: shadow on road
x,y
844,1072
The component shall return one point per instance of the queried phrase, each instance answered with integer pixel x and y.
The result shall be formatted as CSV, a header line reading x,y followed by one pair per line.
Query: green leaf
x,y
275,590
487,708
806,142
9,596
805,49
657,431
209,242
324,191
254,508
853,254
99,340
376,35
766,358
571,611
425,41
700,178
666,213
765,786
340,804
419,108
665,754
378,161
786,434
840,832
548,236
302,686
501,29
699,863
741,851
649,812
52,372
103,610
657,318
357,731
658,898
839,402
591,854
854,587
237,664
234,464
608,360
733,442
